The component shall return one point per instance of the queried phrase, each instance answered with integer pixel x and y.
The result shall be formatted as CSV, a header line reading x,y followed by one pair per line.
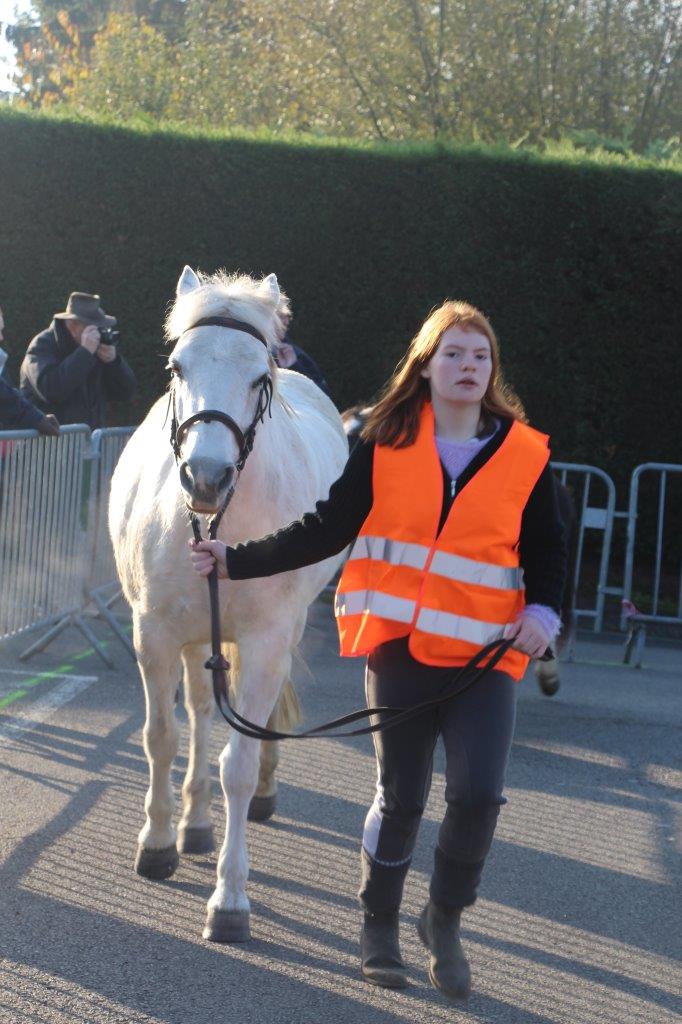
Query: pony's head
x,y
223,368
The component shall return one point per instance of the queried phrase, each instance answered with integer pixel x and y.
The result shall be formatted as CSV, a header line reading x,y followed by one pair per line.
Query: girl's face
x,y
460,368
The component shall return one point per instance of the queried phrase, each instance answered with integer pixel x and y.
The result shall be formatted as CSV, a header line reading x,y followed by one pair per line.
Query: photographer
x,y
74,366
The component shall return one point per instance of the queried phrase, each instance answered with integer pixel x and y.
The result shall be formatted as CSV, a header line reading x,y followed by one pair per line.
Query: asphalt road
x,y
577,920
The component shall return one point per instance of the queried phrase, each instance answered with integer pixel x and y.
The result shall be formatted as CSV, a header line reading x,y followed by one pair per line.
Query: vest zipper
x,y
429,559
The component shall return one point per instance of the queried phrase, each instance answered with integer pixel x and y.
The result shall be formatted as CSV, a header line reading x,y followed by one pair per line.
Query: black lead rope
x,y
219,666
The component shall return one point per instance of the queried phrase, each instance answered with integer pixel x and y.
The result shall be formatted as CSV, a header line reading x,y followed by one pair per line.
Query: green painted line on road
x,y
54,673
11,697
91,650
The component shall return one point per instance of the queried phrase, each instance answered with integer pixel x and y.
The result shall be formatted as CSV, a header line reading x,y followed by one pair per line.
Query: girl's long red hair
x,y
394,420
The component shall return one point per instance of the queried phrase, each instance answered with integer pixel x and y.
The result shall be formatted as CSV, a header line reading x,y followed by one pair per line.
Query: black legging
x,y
477,728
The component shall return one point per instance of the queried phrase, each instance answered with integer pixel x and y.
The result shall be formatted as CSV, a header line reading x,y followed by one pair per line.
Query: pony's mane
x,y
236,295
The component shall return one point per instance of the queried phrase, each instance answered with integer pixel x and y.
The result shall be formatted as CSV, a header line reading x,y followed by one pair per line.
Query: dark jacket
x,y
306,365
15,412
60,376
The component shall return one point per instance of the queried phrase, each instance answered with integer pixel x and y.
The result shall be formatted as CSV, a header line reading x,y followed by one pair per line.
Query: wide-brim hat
x,y
86,308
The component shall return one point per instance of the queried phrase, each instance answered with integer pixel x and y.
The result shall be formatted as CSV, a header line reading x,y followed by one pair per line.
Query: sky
x,y
8,14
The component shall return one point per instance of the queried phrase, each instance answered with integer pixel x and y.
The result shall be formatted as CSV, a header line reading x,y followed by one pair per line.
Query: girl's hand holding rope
x,y
530,637
206,554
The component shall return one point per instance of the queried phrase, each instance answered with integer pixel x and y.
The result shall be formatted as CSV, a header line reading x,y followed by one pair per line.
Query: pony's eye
x,y
174,369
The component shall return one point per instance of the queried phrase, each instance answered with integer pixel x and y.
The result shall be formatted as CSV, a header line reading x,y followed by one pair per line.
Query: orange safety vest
x,y
453,591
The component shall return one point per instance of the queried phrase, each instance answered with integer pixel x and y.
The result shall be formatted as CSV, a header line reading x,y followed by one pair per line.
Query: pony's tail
x,y
286,714
287,711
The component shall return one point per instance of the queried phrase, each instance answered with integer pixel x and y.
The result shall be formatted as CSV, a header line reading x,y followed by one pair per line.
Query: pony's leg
x,y
263,670
285,715
547,673
264,800
158,656
195,832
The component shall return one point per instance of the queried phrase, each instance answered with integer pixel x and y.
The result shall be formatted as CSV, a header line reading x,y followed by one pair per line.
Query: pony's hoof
x,y
196,840
227,926
549,684
262,807
156,864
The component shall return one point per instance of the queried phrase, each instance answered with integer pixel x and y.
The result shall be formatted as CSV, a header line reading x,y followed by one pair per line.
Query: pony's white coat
x,y
297,454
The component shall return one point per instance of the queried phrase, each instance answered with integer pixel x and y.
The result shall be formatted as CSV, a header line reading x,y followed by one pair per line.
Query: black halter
x,y
244,439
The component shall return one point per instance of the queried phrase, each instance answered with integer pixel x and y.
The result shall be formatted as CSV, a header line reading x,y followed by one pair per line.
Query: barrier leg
x,y
46,638
59,627
103,608
81,624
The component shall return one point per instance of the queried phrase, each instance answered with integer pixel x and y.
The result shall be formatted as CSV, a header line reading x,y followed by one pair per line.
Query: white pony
x,y
299,451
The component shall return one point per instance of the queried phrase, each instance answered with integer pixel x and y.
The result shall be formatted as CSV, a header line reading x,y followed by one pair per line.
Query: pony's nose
x,y
206,480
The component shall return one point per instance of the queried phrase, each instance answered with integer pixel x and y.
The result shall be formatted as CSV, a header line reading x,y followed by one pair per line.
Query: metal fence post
x,y
664,469
595,518
102,587
42,549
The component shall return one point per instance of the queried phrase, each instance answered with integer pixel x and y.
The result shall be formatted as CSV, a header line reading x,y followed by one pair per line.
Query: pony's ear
x,y
270,287
187,282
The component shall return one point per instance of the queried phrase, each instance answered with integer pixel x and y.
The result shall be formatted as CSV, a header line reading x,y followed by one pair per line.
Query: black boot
x,y
381,963
449,972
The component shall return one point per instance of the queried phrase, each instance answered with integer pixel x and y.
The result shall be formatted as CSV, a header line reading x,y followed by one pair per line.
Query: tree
x,y
522,70
131,71
54,40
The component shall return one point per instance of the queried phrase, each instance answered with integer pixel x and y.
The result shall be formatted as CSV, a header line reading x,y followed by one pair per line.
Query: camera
x,y
109,336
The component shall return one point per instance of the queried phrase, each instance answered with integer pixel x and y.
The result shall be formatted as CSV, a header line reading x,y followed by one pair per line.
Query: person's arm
x,y
306,365
543,547
53,380
119,380
316,536
16,413
543,555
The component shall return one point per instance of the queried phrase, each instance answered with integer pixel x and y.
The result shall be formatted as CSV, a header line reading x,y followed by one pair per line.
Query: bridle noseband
x,y
245,439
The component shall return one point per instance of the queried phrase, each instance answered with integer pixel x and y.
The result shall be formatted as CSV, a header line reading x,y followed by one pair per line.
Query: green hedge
x,y
574,262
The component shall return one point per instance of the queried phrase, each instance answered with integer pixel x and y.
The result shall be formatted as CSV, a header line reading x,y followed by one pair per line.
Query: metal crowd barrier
x,y
631,616
102,586
56,557
43,512
592,516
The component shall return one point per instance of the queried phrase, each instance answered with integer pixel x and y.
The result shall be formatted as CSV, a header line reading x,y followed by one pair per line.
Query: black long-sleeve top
x,y
336,522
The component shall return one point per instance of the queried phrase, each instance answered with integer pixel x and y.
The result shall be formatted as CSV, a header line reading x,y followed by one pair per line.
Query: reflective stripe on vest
x,y
453,567
396,552
373,602
459,627
453,587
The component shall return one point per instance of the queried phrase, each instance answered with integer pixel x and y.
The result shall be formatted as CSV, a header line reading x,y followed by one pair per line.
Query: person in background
x,y
450,501
291,357
16,413
74,366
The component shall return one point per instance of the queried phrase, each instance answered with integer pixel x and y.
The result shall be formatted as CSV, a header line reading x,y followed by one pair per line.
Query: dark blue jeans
x,y
477,727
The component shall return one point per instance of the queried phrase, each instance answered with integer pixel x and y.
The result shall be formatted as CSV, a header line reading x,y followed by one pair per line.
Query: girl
x,y
451,503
